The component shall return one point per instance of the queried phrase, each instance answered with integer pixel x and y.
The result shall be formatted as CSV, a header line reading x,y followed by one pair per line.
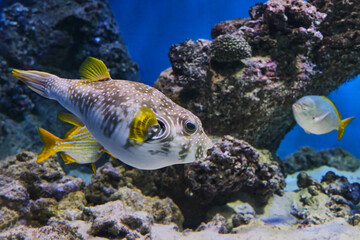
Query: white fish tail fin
x,y
35,80
342,126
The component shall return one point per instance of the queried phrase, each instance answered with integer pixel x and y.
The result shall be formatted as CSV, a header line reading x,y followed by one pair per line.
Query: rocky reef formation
x,y
55,37
244,82
42,196
231,167
320,203
40,201
307,158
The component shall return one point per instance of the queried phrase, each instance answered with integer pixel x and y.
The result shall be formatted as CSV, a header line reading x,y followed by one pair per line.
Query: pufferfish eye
x,y
190,127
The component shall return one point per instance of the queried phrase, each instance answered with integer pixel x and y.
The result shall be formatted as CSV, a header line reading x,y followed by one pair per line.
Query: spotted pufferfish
x,y
134,122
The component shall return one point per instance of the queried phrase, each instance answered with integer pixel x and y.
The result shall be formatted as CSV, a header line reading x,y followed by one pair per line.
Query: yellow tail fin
x,y
50,147
342,126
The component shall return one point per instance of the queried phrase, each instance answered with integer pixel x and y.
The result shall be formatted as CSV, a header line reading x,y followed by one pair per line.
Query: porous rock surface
x,y
307,158
40,201
232,166
43,197
55,37
297,48
318,203
37,192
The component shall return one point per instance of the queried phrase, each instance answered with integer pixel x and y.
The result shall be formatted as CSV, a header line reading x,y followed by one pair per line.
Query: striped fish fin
x,y
67,159
106,151
93,167
82,134
71,132
50,147
70,118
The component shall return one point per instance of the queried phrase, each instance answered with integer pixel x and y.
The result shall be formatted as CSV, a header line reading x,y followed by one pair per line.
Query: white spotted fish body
x,y
134,122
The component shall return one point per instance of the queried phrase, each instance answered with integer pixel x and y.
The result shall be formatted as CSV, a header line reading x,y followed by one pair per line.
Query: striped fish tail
x,y
50,147
37,81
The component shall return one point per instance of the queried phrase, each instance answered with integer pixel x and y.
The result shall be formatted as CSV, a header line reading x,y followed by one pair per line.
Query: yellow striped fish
x,y
77,145
136,123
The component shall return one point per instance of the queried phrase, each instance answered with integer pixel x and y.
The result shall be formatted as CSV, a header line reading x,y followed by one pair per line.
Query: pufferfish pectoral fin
x,y
144,120
93,69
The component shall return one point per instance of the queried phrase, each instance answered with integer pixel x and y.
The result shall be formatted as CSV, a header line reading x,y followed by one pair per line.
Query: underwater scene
x,y
177,119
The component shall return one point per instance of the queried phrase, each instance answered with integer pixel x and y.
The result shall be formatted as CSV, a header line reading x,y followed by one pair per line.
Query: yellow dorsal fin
x,y
143,120
67,159
93,69
334,106
342,125
70,118
50,147
71,132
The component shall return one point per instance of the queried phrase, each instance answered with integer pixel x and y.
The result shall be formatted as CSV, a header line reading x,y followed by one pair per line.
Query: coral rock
x,y
337,185
230,48
320,203
217,224
245,213
8,218
59,232
307,158
12,193
111,220
38,192
232,166
162,210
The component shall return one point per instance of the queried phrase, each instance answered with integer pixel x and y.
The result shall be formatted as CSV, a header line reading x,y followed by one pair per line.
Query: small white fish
x,y
319,115
134,122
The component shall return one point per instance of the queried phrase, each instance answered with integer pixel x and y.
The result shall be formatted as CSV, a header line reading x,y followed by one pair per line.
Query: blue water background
x,y
149,28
